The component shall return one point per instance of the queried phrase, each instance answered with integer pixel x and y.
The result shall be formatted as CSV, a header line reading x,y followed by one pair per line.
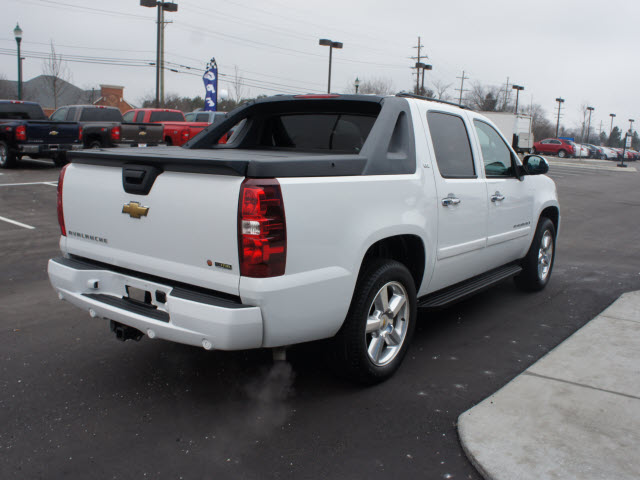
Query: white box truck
x,y
515,127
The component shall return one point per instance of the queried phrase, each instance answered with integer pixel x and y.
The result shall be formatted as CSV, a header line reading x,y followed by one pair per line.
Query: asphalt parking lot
x,y
77,403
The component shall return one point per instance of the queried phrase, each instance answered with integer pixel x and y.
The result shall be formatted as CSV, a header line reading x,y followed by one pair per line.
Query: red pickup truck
x,y
177,131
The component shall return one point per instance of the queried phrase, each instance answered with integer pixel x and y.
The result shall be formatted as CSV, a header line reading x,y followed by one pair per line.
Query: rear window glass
x,y
100,115
21,111
451,145
202,117
190,117
336,132
166,117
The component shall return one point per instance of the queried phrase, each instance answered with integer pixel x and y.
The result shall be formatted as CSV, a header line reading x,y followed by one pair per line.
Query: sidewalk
x,y
575,414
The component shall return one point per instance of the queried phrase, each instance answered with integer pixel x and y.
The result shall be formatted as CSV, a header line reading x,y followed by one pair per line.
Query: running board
x,y
469,287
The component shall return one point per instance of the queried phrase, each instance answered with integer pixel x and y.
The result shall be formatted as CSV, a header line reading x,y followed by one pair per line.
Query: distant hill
x,y
39,90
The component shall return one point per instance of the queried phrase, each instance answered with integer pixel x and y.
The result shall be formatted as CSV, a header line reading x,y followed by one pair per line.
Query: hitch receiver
x,y
124,332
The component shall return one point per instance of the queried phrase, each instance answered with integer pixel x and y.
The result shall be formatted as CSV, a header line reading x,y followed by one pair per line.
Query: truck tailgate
x,y
52,132
141,133
188,233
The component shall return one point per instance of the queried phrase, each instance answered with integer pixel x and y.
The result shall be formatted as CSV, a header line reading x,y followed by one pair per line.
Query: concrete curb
x,y
573,414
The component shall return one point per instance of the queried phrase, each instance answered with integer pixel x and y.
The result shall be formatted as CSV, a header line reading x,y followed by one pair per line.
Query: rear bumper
x,y
49,148
185,316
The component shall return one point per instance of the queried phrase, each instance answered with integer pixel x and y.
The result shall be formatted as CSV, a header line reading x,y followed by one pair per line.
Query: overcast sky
x,y
584,51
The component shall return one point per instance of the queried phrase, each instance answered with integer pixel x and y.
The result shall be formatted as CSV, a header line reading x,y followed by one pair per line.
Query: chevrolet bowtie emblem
x,y
142,133
53,132
135,210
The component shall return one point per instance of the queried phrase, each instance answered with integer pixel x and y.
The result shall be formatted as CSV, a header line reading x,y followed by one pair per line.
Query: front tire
x,y
538,264
7,158
380,323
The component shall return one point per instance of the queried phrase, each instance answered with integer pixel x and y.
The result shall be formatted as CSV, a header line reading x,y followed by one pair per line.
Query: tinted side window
x,y
202,117
128,117
140,117
495,153
190,117
71,114
451,145
59,115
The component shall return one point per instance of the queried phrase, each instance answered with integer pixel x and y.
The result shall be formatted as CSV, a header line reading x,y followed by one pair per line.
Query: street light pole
x,y
17,32
560,101
162,7
424,68
518,88
631,120
357,85
591,109
612,115
328,43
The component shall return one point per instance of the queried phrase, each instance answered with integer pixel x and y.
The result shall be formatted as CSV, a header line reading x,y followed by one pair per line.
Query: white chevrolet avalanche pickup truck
x,y
322,216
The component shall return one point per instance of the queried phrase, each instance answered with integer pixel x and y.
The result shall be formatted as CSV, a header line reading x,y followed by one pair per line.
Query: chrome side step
x,y
469,287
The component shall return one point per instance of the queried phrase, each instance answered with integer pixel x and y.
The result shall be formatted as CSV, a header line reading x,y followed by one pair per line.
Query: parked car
x,y
25,130
555,146
608,153
581,151
195,247
202,116
594,151
177,131
105,127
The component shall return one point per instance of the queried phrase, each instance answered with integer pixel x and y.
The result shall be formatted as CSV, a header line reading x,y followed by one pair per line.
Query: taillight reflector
x,y
262,230
63,229
115,134
21,133
80,133
185,134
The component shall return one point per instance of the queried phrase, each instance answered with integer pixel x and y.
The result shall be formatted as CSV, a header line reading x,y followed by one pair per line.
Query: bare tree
x,y
541,126
441,89
6,89
57,75
483,98
376,86
237,85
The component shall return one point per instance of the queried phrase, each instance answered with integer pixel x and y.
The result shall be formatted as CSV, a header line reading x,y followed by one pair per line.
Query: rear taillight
x,y
115,134
80,134
63,229
185,135
262,229
21,133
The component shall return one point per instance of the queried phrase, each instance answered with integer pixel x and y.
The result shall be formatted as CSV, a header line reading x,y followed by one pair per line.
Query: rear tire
x,y
562,154
533,151
7,158
60,159
95,144
538,264
380,323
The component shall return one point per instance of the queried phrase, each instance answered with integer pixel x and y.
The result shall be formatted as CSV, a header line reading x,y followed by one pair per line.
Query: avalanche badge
x,y
135,210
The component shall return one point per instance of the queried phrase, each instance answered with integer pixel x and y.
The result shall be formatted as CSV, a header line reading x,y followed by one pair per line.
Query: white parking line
x,y
23,225
53,184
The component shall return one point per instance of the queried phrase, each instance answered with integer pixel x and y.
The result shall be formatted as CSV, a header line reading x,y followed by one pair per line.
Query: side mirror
x,y
535,165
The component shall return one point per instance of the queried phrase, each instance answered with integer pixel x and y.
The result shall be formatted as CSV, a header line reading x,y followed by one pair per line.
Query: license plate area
x,y
139,296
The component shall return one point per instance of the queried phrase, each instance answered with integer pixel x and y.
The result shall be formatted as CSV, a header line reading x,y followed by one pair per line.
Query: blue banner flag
x,y
210,79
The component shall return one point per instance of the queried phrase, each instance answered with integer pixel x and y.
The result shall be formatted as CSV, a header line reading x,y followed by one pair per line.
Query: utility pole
x,y
462,79
418,67
560,101
506,95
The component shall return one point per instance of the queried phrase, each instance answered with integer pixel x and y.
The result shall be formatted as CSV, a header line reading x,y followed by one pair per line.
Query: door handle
x,y
497,197
451,199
